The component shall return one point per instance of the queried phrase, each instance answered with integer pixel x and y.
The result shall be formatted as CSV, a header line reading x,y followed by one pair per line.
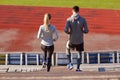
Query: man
x,y
76,26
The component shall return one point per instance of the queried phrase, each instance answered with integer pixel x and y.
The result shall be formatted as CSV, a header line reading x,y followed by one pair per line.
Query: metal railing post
x,y
37,59
88,58
118,57
113,56
99,58
82,57
6,59
26,60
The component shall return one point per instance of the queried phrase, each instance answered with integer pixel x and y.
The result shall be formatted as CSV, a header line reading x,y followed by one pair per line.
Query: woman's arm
x,y
39,35
55,35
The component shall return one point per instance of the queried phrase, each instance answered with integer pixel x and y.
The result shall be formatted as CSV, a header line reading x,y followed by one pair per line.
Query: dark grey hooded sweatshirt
x,y
75,27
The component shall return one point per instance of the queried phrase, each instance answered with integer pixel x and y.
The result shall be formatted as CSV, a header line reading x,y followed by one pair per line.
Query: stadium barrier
x,y
36,58
90,59
93,57
93,60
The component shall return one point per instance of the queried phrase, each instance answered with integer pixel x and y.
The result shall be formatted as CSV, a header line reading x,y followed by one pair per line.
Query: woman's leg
x,y
44,48
50,52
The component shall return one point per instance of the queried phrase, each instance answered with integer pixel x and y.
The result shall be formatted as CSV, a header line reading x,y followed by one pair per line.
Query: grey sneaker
x,y
78,70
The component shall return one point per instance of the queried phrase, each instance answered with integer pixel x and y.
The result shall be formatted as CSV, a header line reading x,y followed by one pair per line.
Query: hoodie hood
x,y
75,16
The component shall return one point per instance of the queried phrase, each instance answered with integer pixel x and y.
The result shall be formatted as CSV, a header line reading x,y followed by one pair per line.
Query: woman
x,y
48,33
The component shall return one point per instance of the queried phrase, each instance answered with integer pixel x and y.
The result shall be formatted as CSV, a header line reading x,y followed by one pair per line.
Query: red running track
x,y
19,25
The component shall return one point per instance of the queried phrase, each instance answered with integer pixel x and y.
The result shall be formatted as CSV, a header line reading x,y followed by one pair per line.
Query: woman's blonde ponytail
x,y
47,18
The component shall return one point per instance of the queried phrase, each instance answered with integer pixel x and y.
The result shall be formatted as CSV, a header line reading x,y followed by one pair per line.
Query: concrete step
x,y
101,67
18,68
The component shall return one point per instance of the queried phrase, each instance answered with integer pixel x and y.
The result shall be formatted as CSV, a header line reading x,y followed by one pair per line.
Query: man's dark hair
x,y
49,15
76,9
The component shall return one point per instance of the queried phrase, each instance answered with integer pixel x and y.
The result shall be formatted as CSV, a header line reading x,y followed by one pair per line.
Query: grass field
x,y
101,4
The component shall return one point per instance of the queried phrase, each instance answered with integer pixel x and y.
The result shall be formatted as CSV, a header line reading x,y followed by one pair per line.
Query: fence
x,y
35,58
20,58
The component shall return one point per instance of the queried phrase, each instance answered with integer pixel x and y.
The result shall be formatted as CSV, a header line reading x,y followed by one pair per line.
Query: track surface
x,y
19,26
60,73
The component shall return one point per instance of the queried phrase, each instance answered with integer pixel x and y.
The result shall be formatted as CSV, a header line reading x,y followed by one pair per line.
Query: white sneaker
x,y
70,66
44,64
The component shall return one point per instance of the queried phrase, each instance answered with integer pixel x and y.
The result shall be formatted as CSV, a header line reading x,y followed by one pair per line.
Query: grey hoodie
x,y
47,37
76,26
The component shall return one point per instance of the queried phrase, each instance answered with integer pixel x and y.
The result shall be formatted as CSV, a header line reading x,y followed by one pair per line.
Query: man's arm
x,y
67,27
85,29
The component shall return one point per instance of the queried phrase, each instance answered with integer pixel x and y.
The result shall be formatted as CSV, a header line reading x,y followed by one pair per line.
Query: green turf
x,y
102,4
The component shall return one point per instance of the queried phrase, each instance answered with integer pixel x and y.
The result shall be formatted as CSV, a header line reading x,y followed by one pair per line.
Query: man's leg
x,y
79,48
70,65
79,60
68,53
